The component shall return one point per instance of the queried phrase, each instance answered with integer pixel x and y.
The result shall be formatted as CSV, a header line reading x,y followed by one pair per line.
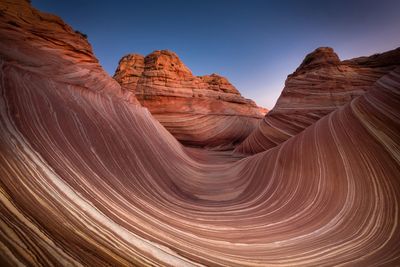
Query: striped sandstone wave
x,y
320,85
87,177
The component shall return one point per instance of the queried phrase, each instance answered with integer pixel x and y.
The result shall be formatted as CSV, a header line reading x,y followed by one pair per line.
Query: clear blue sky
x,y
255,44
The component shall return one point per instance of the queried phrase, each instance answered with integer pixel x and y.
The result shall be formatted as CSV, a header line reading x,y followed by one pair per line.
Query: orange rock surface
x,y
90,178
202,111
321,84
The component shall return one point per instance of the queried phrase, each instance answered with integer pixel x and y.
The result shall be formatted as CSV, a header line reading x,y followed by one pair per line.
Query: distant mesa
x,y
198,110
321,84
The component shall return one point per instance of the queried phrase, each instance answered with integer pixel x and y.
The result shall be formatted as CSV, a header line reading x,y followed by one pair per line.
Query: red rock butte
x,y
89,177
320,85
197,110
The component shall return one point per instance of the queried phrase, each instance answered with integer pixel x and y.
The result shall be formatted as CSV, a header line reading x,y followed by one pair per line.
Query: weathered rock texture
x,y
53,41
197,110
89,179
321,84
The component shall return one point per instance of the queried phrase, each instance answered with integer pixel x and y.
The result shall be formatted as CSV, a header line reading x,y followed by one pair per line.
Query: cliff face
x,y
197,110
36,40
321,84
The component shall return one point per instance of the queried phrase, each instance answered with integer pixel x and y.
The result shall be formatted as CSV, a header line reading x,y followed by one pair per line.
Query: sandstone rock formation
x,y
202,111
321,84
89,178
54,41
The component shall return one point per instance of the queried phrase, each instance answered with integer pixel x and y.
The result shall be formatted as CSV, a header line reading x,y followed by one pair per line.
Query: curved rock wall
x,y
89,178
320,85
